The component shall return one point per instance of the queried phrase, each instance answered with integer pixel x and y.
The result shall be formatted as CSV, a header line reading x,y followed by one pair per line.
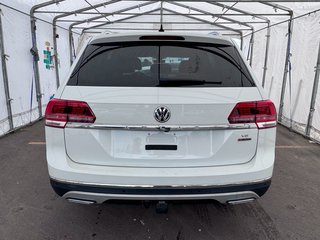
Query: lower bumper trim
x,y
235,192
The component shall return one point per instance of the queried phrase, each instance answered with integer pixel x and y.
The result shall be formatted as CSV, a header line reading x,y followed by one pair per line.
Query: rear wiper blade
x,y
184,82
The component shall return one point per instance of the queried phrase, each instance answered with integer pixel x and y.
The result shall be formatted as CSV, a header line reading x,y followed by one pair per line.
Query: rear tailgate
x,y
113,140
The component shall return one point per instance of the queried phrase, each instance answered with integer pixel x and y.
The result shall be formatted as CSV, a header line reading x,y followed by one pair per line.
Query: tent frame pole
x,y
164,22
267,21
70,46
110,14
252,44
98,17
266,54
241,41
117,21
54,24
55,54
208,22
5,77
168,14
286,69
222,16
314,95
35,52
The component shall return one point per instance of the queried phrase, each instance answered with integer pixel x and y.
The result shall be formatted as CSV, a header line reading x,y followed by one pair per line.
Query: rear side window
x,y
161,65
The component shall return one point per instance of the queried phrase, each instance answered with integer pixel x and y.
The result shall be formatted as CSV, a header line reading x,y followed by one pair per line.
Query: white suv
x,y
160,116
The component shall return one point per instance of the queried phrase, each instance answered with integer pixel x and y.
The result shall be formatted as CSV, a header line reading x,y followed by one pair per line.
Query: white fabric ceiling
x,y
204,15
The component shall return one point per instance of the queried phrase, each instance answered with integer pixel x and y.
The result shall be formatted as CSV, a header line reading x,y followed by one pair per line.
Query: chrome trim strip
x,y
162,128
157,186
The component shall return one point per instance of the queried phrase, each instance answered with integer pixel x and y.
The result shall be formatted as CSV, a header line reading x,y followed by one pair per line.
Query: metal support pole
x,y
113,13
206,21
5,76
220,16
35,54
265,67
286,69
241,38
34,50
314,95
166,14
55,53
54,23
70,46
251,49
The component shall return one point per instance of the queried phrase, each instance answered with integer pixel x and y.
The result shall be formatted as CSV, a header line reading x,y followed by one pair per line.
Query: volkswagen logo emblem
x,y
162,114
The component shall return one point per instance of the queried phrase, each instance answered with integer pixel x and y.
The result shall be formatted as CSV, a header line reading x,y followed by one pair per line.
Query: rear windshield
x,y
161,65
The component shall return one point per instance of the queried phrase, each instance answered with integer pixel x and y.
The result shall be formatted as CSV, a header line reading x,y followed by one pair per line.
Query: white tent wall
x,y
304,52
258,54
276,59
17,41
63,54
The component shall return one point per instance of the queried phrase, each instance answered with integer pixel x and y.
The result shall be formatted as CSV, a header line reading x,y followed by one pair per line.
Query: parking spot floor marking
x,y
37,143
292,146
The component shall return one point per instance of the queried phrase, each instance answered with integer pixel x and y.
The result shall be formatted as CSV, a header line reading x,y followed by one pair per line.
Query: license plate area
x,y
162,147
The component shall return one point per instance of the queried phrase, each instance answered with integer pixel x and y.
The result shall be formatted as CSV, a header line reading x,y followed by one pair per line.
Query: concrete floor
x,y
29,209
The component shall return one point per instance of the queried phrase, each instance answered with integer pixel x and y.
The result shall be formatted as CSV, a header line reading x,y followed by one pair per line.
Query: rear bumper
x,y
99,193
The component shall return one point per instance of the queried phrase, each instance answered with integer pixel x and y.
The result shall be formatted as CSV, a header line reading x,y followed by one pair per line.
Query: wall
x,y
17,41
304,51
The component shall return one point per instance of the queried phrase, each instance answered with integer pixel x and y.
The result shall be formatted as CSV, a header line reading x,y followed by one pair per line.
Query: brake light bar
x,y
262,113
60,112
161,37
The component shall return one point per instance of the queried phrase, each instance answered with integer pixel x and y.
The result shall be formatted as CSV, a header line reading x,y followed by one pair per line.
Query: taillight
x,y
60,112
262,113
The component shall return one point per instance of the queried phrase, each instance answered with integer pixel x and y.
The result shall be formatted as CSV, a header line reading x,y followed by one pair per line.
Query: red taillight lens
x,y
60,112
262,113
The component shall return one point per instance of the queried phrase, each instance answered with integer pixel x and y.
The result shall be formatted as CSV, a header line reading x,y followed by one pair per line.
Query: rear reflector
x,y
60,112
262,113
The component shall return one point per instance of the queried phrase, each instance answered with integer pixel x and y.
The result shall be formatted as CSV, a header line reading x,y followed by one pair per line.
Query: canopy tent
x,y
39,41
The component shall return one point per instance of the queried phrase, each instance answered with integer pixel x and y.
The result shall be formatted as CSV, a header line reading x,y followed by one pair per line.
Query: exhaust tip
x,y
240,201
80,201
